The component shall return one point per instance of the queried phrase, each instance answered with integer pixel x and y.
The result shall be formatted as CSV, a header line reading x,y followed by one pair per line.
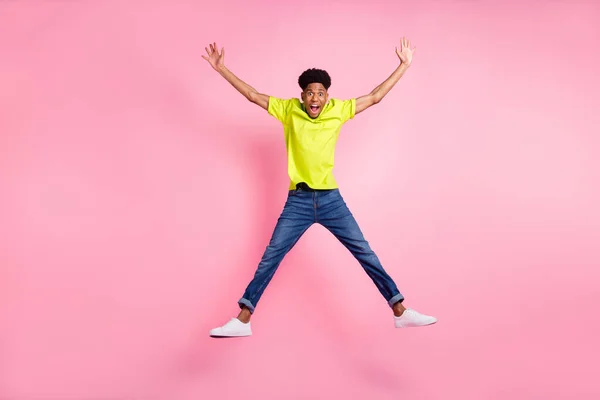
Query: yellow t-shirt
x,y
310,143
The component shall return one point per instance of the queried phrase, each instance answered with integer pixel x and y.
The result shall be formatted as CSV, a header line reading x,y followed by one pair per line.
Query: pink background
x,y
138,191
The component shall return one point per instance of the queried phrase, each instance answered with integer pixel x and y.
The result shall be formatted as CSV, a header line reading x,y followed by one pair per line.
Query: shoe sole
x,y
416,326
229,336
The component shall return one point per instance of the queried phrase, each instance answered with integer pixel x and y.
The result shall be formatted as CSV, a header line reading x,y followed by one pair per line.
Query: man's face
x,y
314,98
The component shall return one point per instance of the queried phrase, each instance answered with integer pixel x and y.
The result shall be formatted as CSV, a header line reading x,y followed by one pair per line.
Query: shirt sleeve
x,y
348,109
278,108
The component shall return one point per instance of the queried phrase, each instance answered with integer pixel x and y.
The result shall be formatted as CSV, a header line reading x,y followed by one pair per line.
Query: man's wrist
x,y
221,69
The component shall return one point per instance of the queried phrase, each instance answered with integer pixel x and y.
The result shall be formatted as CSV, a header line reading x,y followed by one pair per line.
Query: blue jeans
x,y
302,209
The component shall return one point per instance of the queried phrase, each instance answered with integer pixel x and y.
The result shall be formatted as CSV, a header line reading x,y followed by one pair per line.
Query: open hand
x,y
405,53
215,59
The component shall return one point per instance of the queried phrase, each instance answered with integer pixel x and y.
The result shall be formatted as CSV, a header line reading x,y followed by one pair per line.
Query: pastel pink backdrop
x,y
139,190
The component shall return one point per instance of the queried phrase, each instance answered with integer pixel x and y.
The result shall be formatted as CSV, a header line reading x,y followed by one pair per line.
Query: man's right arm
x,y
248,91
217,61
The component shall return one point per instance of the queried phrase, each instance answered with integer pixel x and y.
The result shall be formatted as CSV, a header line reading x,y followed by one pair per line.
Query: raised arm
x,y
217,60
405,55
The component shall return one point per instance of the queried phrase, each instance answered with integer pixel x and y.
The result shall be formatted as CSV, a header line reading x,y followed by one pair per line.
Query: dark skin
x,y
245,313
216,59
314,97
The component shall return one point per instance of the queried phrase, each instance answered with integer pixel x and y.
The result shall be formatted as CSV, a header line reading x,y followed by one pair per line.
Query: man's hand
x,y
215,59
405,53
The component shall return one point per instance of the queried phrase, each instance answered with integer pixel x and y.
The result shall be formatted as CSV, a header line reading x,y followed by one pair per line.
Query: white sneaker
x,y
411,318
233,328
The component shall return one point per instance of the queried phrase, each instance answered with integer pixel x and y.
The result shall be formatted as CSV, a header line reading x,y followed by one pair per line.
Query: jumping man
x,y
311,129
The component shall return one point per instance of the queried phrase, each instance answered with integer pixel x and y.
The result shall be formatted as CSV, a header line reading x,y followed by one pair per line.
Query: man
x,y
311,130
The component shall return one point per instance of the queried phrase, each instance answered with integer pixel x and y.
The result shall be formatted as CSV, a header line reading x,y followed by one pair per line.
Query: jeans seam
x,y
315,204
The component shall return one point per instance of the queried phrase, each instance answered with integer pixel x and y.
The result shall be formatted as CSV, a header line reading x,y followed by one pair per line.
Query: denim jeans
x,y
302,209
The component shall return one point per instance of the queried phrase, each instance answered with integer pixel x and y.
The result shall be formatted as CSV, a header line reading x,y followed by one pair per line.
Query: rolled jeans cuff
x,y
397,298
247,304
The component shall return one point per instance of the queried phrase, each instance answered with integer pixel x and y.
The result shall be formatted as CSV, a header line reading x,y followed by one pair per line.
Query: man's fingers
x,y
207,51
206,58
405,45
223,52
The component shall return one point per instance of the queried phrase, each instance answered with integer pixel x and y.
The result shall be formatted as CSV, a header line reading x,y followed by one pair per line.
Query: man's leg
x,y
295,219
336,217
297,216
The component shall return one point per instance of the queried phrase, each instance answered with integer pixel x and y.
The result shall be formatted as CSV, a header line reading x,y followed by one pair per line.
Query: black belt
x,y
306,188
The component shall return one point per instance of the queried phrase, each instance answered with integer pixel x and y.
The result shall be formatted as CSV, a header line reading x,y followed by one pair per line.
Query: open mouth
x,y
314,108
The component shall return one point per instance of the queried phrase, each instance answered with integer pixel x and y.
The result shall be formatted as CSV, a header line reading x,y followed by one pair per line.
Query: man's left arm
x,y
405,55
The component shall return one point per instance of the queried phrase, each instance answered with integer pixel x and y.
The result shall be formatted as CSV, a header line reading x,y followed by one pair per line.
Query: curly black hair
x,y
314,75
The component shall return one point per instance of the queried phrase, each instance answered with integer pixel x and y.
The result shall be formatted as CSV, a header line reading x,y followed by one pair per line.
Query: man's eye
x,y
321,94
